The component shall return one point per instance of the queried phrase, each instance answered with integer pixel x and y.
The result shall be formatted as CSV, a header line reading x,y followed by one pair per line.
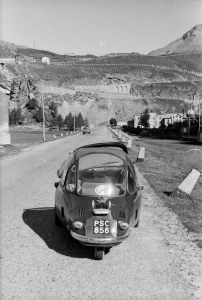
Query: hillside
x,y
190,41
115,85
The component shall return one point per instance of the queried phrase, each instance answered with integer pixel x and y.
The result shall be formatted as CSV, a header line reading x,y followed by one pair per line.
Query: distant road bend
x,y
40,261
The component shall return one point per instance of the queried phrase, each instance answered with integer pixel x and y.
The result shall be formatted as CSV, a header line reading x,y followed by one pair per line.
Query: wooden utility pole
x,y
74,116
189,127
199,116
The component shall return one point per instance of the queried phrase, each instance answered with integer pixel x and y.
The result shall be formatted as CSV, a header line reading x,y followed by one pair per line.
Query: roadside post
x,y
141,154
187,185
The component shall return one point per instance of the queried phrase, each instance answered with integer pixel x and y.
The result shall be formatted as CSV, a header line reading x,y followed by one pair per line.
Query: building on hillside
x,y
170,119
130,123
7,61
155,121
45,60
122,123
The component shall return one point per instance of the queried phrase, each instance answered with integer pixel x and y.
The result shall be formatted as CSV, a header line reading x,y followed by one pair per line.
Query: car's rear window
x,y
101,174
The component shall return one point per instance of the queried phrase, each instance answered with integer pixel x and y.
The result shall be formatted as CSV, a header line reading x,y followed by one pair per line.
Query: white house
x,y
155,120
45,60
122,123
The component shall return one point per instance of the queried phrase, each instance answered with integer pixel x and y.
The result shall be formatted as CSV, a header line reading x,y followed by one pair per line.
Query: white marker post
x,y
129,145
188,183
141,155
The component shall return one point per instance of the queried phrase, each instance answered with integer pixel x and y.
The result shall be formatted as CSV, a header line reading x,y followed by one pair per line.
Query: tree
x,y
19,117
113,122
32,104
53,109
85,122
15,116
79,121
69,121
38,115
54,122
12,115
60,121
144,119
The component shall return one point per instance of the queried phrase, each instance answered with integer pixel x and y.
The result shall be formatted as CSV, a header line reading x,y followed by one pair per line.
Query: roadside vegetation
x,y
167,163
24,135
52,118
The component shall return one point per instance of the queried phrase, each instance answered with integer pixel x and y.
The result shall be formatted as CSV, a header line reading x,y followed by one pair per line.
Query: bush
x,y
15,116
38,115
32,104
144,133
113,122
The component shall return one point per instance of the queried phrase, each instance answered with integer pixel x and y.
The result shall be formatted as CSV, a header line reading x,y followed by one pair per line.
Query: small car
x,y
86,130
98,198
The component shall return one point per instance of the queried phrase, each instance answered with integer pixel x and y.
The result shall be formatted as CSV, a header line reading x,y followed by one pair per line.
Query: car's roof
x,y
115,148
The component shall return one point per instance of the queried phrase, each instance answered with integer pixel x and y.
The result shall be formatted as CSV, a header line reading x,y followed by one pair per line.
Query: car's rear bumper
x,y
108,242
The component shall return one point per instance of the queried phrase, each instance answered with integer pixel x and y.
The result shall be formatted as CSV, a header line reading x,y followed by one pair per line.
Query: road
x,y
41,261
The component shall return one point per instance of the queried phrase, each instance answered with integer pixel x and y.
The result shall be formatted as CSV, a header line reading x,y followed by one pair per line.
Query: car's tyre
x,y
99,253
57,220
107,249
137,224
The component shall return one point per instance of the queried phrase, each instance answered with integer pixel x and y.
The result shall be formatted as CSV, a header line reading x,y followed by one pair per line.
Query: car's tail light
x,y
78,225
123,225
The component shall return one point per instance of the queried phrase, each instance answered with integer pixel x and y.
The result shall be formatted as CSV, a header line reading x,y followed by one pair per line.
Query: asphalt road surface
x,y
40,261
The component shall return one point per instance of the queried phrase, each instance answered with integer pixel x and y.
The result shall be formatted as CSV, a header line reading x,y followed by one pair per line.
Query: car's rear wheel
x,y
99,253
107,249
57,220
137,224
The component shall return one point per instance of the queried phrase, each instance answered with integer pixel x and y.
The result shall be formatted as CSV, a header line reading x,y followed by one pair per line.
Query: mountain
x,y
190,41
7,49
116,85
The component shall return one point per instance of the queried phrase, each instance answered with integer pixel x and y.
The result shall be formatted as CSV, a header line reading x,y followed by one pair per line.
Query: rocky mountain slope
x,y
114,85
190,41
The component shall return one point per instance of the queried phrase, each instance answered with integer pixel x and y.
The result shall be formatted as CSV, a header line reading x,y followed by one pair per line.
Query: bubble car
x,y
98,198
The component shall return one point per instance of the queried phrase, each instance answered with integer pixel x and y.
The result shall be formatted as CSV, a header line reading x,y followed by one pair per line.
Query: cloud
x,y
101,44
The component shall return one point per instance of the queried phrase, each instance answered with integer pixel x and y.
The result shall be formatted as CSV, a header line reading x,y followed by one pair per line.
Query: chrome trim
x,y
103,241
101,211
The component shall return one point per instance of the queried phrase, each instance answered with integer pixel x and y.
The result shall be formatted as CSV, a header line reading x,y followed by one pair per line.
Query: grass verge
x,y
22,138
167,163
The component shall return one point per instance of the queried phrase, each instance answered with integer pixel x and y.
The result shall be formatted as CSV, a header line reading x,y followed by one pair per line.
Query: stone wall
x,y
112,89
4,119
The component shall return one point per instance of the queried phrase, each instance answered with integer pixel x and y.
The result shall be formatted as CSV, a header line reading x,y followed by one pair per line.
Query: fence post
x,y
129,145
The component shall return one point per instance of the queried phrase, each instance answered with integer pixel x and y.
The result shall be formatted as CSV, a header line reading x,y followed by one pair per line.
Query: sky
x,y
97,27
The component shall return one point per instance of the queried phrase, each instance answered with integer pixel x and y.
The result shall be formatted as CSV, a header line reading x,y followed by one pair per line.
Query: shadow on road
x,y
41,221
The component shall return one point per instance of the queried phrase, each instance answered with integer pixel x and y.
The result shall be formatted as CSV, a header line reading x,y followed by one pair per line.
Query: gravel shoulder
x,y
187,257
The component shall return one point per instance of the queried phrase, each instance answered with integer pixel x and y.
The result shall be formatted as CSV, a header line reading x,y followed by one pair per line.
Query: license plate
x,y
101,226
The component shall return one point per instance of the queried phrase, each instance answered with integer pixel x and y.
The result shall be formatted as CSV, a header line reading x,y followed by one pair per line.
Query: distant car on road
x,y
86,130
